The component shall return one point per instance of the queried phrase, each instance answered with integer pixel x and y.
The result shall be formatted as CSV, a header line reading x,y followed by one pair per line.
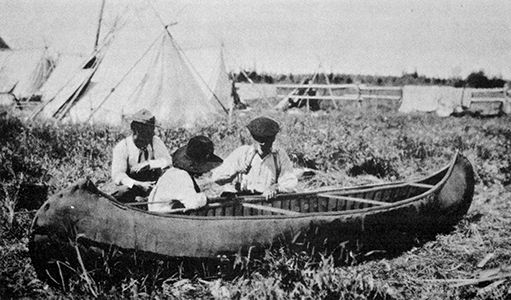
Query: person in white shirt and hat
x,y
139,159
178,188
259,168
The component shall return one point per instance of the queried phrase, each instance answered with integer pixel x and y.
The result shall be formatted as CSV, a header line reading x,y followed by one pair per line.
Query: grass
x,y
345,147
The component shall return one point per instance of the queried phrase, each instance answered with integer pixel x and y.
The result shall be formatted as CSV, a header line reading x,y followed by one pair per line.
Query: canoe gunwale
x,y
447,169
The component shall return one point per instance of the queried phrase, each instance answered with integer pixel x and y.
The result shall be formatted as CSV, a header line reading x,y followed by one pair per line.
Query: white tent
x,y
121,80
66,65
222,84
23,72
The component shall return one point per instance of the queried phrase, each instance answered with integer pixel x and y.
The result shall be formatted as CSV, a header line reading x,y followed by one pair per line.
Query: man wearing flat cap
x,y
178,188
259,168
139,159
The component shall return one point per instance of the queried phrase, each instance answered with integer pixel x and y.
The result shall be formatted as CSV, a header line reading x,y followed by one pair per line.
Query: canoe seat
x,y
353,199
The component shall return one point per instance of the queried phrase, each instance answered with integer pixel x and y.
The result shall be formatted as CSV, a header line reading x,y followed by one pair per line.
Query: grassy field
x,y
347,147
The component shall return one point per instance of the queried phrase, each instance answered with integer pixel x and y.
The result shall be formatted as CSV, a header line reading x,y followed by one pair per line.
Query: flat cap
x,y
263,127
143,116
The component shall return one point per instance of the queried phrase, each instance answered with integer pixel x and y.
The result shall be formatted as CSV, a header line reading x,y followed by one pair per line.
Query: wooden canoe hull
x,y
82,214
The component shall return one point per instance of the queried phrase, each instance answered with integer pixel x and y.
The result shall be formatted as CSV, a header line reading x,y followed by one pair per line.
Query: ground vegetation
x,y
344,147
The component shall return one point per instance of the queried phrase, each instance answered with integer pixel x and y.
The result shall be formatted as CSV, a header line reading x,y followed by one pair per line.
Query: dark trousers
x,y
125,194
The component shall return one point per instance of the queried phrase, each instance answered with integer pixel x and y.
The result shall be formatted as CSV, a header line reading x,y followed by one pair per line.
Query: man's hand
x,y
146,186
270,192
143,166
198,203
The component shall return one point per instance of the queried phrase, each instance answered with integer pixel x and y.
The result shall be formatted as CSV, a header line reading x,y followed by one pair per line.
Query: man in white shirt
x,y
178,188
139,159
259,168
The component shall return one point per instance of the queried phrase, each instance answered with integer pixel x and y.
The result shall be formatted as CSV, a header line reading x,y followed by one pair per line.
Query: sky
x,y
435,38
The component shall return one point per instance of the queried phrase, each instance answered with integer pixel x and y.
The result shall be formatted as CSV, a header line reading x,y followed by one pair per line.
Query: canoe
x,y
83,215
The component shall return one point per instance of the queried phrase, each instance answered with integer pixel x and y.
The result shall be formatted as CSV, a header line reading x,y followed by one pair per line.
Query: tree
x,y
477,80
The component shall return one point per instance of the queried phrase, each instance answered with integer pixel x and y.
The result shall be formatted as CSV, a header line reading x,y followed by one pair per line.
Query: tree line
x,y
474,80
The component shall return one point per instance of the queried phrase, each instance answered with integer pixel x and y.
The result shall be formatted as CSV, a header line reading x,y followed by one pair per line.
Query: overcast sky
x,y
435,38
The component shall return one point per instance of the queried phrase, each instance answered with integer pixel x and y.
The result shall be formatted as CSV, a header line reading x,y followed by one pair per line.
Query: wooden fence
x,y
488,101
351,92
487,95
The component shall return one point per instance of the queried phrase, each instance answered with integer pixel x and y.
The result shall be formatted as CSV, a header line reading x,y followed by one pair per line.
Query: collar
x,y
147,147
272,151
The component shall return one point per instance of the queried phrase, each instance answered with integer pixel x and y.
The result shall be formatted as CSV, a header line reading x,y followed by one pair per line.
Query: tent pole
x,y
253,84
330,90
99,25
231,110
307,90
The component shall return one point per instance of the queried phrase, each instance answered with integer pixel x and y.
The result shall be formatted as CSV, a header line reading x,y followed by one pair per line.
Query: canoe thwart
x,y
271,209
421,185
333,196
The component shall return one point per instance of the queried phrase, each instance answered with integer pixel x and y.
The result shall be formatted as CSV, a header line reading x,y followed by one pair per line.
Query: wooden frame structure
x,y
486,100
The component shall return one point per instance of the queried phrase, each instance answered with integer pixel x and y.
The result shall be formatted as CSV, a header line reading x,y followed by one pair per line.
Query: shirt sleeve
x,y
287,178
120,165
162,158
175,185
232,165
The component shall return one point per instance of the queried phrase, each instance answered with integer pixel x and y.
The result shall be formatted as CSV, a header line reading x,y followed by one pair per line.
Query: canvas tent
x,y
23,72
221,83
119,80
66,65
41,72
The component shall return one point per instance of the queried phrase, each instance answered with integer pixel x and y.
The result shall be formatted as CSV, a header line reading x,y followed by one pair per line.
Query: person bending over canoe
x,y
139,159
259,168
178,188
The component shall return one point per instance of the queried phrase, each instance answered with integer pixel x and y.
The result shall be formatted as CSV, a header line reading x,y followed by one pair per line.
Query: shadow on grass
x,y
60,266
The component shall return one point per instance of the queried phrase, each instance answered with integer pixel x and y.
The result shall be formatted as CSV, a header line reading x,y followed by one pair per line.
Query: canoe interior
x,y
329,201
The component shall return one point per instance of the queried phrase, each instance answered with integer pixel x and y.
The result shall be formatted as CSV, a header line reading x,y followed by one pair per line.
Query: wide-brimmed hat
x,y
263,127
144,117
197,156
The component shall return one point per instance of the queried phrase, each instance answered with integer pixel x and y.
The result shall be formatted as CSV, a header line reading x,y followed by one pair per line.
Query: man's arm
x,y
120,166
162,158
175,185
287,180
237,162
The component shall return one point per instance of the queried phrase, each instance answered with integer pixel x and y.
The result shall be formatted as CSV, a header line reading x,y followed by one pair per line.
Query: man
x,y
178,188
259,168
139,159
